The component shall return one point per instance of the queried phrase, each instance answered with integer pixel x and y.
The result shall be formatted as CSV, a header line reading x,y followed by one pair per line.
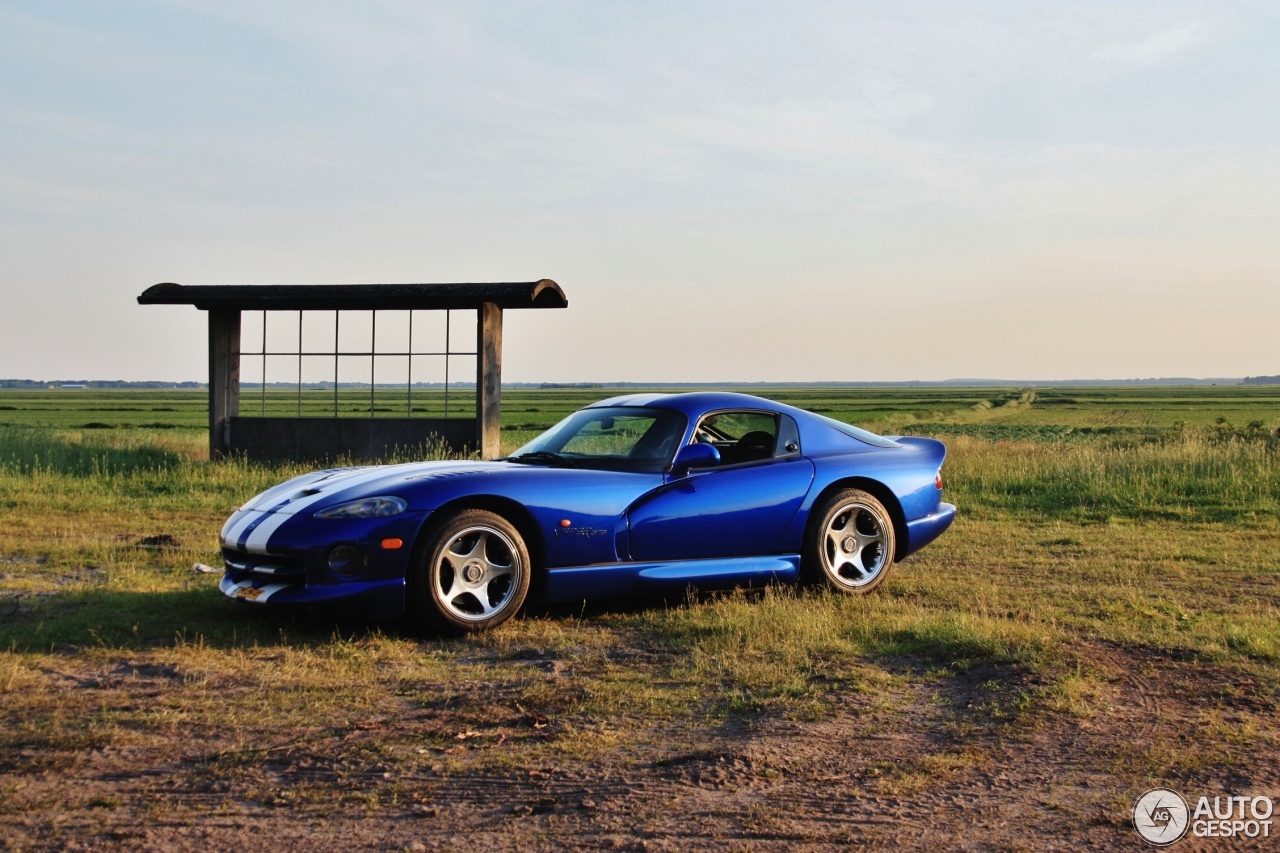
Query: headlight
x,y
380,507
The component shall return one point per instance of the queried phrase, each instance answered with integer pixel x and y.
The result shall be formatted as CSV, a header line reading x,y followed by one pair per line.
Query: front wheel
x,y
850,547
471,575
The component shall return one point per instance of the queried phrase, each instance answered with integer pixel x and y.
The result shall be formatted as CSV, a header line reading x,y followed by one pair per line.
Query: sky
x,y
736,191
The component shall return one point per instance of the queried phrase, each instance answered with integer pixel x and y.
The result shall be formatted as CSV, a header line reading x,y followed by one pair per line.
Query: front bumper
x,y
293,568
380,599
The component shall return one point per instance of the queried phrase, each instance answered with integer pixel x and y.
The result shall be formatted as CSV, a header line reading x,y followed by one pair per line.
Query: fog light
x,y
347,562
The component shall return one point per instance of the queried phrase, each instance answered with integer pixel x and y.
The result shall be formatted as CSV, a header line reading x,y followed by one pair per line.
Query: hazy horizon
x,y
887,192
954,382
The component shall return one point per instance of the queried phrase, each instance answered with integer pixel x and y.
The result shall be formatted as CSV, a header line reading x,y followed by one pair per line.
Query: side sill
x,y
610,580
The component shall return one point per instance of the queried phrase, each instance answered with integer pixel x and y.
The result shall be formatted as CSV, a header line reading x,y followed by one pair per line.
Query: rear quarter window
x,y
864,436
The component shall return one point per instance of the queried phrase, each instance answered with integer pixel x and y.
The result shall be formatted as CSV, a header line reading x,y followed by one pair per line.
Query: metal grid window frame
x,y
372,354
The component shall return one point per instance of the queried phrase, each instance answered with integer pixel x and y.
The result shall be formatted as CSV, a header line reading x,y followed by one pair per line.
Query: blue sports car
x,y
647,493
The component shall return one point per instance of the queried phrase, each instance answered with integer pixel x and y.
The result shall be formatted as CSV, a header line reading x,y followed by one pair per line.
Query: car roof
x,y
695,403
816,431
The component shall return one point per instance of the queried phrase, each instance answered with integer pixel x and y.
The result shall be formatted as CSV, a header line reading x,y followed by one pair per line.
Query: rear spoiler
x,y
931,446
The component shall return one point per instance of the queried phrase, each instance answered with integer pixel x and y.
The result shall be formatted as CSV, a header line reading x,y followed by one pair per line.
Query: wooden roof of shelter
x,y
358,297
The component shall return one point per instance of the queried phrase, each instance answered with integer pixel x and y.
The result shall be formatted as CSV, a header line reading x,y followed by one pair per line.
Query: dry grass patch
x,y
1091,594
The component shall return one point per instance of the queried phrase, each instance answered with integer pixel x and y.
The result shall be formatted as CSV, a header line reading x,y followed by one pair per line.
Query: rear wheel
x,y
471,575
850,547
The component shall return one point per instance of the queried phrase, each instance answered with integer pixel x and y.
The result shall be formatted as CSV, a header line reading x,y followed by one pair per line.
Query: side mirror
x,y
695,456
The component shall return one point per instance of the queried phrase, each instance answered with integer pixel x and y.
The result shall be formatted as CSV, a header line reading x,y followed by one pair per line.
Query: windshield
x,y
627,438
858,433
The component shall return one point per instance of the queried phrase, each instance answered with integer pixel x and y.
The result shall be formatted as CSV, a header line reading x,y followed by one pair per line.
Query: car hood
x,y
320,489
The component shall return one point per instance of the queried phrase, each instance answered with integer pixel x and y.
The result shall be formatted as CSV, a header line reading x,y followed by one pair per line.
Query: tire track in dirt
x,y
1144,720
929,763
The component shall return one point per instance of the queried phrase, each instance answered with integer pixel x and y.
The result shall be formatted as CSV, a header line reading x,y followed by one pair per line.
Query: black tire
x,y
453,587
850,544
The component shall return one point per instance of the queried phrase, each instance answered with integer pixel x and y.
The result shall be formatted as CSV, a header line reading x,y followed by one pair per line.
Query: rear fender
x,y
903,479
880,492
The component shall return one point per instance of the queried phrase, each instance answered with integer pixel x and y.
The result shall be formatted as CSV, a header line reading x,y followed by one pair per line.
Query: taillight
x,y
937,481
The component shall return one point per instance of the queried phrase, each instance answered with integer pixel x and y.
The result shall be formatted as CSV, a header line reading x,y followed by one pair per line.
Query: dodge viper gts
x,y
646,493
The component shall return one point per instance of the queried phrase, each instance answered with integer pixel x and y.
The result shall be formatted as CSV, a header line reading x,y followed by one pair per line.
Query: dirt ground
x,y
922,762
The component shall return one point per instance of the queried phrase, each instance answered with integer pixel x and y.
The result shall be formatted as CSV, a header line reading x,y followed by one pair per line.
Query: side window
x,y
740,436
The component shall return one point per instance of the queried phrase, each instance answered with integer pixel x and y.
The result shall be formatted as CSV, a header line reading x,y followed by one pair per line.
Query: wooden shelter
x,y
317,437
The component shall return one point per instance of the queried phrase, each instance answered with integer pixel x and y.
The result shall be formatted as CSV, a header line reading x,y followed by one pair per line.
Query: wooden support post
x,y
489,380
224,377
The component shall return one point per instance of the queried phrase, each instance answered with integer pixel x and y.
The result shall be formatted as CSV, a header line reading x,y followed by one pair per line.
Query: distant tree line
x,y
1261,380
94,383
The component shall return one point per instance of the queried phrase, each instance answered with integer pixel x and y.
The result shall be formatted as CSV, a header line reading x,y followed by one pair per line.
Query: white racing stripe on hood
x,y
261,535
247,517
232,536
231,524
252,509
278,497
323,480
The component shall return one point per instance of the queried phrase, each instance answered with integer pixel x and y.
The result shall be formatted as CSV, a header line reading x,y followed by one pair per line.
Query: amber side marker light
x,y
392,544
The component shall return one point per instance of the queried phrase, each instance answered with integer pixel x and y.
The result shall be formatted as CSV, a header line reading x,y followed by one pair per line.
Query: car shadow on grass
x,y
68,621
71,620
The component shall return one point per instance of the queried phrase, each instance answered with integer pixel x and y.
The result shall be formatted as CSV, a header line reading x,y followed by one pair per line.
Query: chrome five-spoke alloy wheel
x,y
478,574
850,544
470,574
855,545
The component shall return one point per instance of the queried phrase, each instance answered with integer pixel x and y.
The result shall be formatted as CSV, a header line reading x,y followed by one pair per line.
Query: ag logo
x,y
1161,816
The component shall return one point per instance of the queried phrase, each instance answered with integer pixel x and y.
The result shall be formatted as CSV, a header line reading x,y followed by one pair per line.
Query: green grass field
x,y
1137,407
1105,607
